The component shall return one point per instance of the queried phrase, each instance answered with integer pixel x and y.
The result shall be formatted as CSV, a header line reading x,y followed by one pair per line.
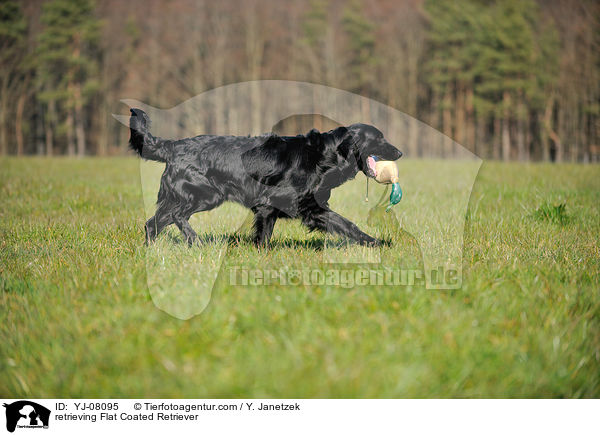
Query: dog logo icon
x,y
26,414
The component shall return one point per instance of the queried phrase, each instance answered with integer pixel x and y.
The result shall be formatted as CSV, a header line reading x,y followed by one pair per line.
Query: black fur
x,y
274,176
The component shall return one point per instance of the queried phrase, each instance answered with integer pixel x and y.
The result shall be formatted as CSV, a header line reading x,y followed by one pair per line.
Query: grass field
x,y
77,318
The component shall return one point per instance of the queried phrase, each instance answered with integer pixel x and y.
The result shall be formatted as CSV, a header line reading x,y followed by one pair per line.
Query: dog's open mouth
x,y
371,172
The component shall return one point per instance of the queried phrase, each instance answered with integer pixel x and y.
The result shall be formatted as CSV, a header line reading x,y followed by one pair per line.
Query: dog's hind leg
x,y
203,198
264,222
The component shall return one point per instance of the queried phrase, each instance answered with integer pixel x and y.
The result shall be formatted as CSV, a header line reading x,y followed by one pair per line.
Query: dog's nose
x,y
132,111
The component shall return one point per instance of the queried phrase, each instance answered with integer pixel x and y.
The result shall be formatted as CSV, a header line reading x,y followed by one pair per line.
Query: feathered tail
x,y
141,140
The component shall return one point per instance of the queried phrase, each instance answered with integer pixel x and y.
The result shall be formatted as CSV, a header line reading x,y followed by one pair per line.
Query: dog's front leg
x,y
264,222
331,222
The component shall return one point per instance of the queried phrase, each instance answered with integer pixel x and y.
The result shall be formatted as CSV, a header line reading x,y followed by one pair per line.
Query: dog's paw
x,y
371,242
378,243
261,245
385,242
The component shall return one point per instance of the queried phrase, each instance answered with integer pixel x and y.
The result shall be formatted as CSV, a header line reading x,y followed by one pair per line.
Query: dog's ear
x,y
314,138
343,140
340,133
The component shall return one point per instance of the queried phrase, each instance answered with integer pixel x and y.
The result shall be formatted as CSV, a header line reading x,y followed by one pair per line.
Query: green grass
x,y
77,317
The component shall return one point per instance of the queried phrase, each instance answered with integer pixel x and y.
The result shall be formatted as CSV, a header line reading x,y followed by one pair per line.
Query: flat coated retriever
x,y
274,176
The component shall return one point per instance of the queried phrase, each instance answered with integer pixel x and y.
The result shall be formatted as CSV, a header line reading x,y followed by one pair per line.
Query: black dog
x,y
274,176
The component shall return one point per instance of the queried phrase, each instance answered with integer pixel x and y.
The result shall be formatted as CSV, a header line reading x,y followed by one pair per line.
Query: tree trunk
x,y
233,122
588,142
39,130
49,128
19,124
558,144
365,110
556,137
256,111
520,129
528,137
471,121
545,127
506,127
479,138
520,140
102,144
447,124
219,76
254,53
105,98
79,121
316,117
496,141
70,141
330,56
413,139
3,135
435,149
505,139
460,115
220,120
579,134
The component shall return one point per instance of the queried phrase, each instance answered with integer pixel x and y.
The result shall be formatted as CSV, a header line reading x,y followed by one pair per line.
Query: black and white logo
x,y
25,414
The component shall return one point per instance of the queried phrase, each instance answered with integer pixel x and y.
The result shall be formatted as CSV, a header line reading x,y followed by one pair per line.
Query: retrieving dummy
x,y
386,172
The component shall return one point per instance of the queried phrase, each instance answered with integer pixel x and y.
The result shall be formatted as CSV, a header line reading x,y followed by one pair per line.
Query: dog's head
x,y
369,145
139,121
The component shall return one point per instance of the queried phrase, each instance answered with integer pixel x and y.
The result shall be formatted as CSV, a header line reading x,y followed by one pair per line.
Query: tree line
x,y
508,79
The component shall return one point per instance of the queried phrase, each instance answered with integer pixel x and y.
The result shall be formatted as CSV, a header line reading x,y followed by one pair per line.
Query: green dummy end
x,y
395,196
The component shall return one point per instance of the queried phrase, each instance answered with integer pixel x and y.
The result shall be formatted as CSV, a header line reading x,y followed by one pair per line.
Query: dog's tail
x,y
141,140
